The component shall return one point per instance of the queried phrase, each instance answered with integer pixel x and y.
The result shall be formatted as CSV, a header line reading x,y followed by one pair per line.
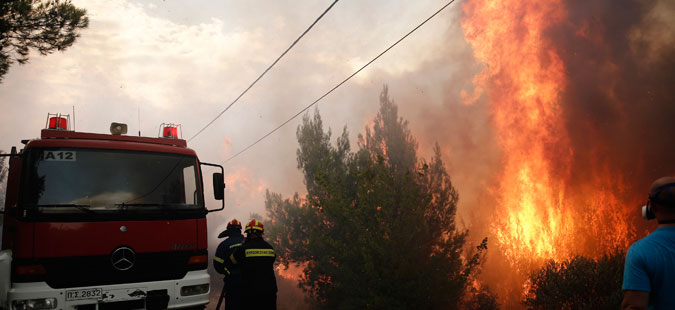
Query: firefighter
x,y
256,258
232,274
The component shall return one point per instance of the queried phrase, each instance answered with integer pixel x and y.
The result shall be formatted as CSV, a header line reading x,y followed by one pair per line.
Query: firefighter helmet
x,y
233,227
234,224
254,226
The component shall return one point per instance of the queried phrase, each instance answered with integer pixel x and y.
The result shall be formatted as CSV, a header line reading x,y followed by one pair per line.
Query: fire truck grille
x,y
99,270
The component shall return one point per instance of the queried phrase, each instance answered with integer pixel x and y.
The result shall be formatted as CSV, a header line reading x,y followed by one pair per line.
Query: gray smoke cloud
x,y
618,105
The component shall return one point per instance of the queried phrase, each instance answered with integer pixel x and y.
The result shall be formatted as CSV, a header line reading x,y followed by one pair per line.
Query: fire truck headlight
x,y
30,304
191,290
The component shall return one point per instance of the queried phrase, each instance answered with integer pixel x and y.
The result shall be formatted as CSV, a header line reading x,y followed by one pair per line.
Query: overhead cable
x,y
339,84
264,72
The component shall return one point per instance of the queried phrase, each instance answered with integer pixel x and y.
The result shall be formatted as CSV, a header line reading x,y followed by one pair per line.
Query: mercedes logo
x,y
123,258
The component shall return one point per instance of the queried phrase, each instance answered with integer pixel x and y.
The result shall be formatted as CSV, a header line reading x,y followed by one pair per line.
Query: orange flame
x,y
292,272
524,78
541,213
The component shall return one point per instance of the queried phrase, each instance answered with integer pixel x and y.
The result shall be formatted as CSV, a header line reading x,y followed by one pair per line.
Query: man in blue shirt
x,y
649,273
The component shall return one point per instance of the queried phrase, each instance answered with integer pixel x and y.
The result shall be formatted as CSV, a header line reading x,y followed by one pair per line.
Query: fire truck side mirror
x,y
218,186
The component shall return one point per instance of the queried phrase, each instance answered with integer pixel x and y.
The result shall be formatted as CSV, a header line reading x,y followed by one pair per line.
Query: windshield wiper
x,y
83,208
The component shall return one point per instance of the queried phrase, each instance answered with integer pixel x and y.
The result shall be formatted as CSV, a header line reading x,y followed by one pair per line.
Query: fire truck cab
x,y
105,221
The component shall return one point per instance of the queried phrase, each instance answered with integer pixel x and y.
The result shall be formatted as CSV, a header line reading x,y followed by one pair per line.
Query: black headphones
x,y
647,212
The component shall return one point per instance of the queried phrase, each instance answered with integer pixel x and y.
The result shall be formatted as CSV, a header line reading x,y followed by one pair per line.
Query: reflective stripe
x,y
226,270
218,259
259,253
235,245
234,261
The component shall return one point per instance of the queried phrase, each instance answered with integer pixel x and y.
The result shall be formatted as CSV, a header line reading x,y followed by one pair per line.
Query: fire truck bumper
x,y
190,291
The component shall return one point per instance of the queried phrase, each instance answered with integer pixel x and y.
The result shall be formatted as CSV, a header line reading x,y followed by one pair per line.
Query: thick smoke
x,y
618,103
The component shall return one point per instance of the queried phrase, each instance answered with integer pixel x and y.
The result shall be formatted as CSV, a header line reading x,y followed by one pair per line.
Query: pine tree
x,y
377,227
43,26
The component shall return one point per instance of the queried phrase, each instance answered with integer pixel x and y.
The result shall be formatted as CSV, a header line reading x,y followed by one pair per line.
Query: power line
x,y
264,72
340,84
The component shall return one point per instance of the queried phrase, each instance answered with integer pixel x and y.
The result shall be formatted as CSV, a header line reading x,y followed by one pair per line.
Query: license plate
x,y
90,293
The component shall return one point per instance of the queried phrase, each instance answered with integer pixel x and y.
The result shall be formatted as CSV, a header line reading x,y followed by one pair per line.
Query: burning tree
x,y
377,227
580,94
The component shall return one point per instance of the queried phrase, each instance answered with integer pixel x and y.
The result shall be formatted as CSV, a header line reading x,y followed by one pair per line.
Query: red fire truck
x,y
98,221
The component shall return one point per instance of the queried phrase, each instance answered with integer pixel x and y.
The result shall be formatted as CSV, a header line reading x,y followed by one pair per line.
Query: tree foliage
x,y
577,283
480,299
376,229
43,26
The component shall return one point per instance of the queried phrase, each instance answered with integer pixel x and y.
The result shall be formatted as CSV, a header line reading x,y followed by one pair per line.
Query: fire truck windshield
x,y
73,180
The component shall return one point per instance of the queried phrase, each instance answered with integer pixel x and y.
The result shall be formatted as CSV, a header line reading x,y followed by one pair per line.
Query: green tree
x,y
377,227
44,26
577,283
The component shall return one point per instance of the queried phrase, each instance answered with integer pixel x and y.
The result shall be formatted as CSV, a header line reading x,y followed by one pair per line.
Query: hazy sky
x,y
185,61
